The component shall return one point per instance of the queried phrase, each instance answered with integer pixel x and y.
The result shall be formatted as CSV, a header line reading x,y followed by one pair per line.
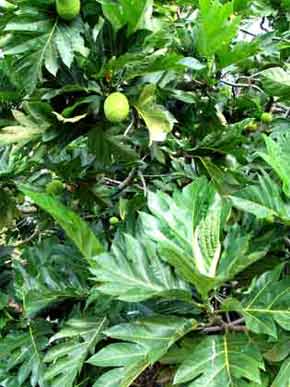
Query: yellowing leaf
x,y
70,120
158,120
17,134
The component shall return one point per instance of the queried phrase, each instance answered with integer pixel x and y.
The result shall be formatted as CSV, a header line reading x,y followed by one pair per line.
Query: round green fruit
x,y
55,187
68,9
267,118
113,220
252,127
231,162
270,219
116,107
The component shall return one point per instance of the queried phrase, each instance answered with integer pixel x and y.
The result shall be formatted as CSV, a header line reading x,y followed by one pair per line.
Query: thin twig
x,y
124,184
248,33
27,240
140,174
287,113
214,329
237,322
263,28
130,126
232,84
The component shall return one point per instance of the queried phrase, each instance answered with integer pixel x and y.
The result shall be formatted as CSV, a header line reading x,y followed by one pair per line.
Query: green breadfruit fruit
x,y
55,187
68,9
252,126
116,107
267,118
114,220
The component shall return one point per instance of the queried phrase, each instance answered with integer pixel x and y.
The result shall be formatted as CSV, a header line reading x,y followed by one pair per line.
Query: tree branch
x,y
237,326
232,84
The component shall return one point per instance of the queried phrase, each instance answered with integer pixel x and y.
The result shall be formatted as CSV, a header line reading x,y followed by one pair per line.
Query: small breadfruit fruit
x,y
68,9
55,187
116,107
252,126
267,118
231,162
113,220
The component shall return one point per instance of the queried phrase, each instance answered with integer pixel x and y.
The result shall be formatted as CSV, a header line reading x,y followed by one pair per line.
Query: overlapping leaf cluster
x,y
155,251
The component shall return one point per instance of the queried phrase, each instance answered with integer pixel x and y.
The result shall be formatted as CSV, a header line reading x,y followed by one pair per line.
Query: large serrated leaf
x,y
267,304
276,82
221,361
264,200
134,272
67,358
216,28
187,229
21,355
39,41
146,341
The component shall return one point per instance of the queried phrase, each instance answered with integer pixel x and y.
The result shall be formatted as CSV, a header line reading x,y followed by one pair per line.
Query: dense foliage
x,y
147,247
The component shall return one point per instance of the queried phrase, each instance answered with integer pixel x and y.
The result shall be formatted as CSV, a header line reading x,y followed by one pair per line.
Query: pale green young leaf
x,y
70,120
187,229
18,134
28,128
216,26
135,14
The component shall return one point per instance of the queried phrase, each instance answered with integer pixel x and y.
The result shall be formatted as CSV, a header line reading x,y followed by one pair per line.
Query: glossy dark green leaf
x,y
21,355
145,342
134,272
76,229
39,42
222,360
267,305
283,377
67,358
